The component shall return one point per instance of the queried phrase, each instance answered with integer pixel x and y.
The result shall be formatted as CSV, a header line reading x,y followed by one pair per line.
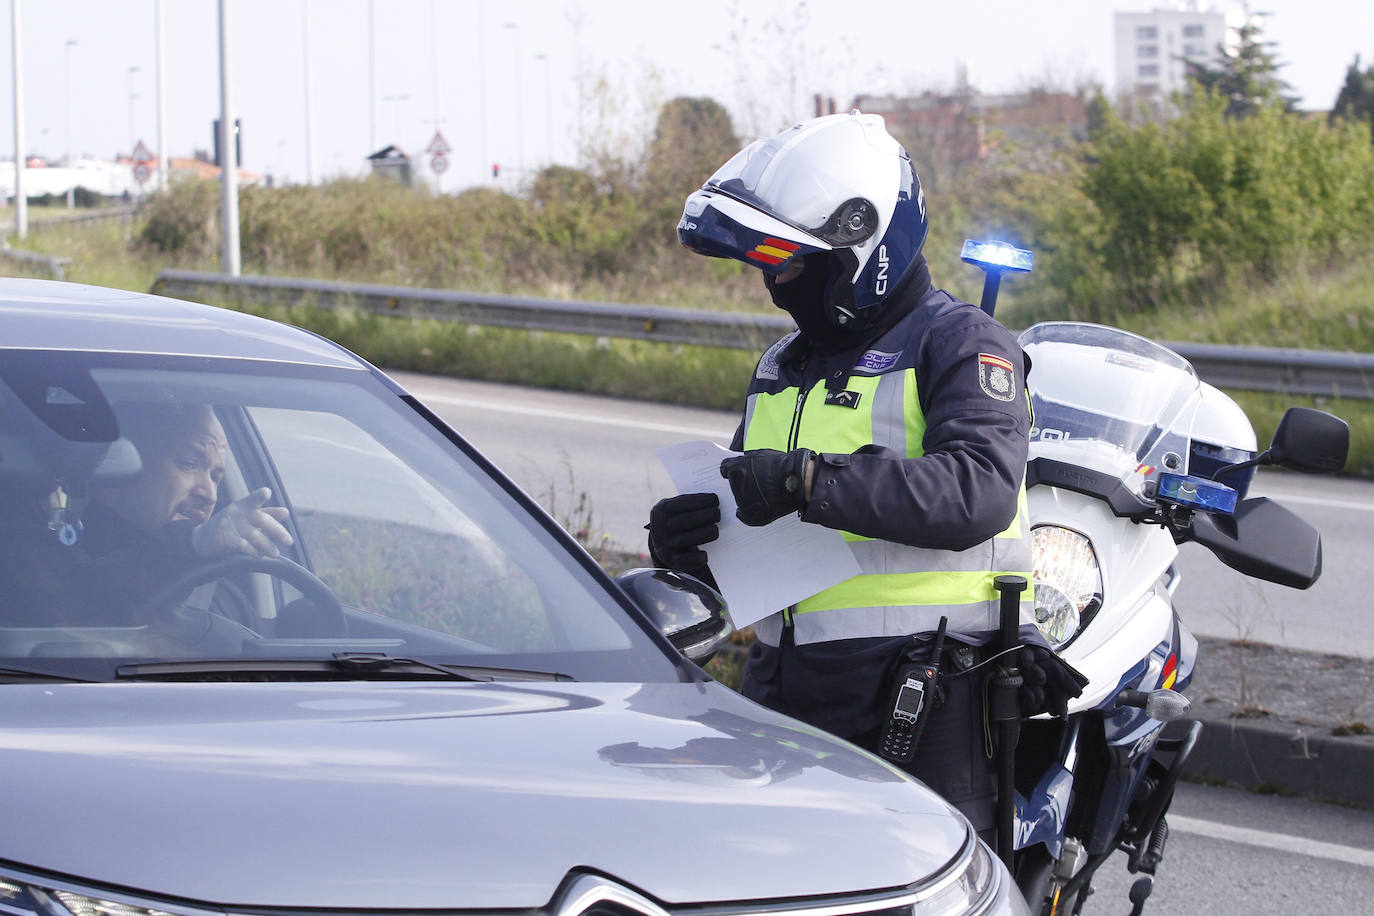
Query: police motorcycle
x,y
1131,455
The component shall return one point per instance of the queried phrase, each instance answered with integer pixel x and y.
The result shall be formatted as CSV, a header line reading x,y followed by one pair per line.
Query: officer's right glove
x,y
1047,682
767,483
679,525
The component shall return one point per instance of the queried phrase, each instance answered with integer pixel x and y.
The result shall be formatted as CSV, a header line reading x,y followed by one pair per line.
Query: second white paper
x,y
765,569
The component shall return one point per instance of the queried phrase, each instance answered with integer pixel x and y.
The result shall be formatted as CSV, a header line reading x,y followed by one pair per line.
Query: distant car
x,y
433,700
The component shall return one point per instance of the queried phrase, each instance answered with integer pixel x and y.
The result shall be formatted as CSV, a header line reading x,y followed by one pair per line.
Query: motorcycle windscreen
x,y
1264,540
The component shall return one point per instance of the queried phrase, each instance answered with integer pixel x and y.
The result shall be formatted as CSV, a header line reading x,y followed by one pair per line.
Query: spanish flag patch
x,y
997,377
772,251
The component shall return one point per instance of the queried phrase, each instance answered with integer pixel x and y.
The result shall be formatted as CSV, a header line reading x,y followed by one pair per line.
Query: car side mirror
x,y
683,608
1311,441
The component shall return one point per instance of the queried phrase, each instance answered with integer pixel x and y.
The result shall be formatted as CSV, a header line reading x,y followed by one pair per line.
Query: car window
x,y
394,539
389,541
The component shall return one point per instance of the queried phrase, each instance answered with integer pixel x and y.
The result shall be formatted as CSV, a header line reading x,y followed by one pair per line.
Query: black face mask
x,y
804,298
823,276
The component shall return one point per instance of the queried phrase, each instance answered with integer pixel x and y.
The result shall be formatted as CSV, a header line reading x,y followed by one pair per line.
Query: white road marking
x,y
721,435
1290,497
1334,852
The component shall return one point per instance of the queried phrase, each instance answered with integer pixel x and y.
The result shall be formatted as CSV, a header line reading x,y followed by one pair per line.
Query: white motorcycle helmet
x,y
838,183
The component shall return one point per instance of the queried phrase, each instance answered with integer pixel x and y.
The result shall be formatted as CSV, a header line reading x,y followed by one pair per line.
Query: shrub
x,y
1184,205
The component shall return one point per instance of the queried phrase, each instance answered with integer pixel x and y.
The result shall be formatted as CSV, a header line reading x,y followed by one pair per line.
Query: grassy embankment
x,y
1329,308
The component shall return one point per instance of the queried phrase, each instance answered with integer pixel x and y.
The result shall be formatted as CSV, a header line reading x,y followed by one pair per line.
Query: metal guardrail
x,y
85,216
601,319
53,266
1290,371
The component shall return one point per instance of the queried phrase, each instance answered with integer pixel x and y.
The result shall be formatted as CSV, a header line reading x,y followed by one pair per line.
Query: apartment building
x,y
1151,47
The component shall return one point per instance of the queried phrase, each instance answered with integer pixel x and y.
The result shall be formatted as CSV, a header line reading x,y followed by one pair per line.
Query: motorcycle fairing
x,y
1041,818
1131,736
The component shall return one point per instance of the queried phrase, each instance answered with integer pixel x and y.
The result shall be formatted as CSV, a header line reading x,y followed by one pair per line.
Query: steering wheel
x,y
165,599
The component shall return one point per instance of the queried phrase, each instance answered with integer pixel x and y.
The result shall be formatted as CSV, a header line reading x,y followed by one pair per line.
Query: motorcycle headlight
x,y
1068,583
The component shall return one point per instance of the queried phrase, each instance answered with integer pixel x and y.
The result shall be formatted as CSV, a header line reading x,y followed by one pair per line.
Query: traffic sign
x,y
141,153
438,146
141,172
439,163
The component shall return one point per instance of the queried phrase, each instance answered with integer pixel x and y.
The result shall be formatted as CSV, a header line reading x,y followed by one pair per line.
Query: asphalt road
x,y
1233,852
559,445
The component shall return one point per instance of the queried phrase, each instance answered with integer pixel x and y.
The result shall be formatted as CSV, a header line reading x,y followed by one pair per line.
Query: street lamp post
x,y
21,207
161,99
396,112
371,77
133,135
519,118
548,105
67,115
230,260
309,126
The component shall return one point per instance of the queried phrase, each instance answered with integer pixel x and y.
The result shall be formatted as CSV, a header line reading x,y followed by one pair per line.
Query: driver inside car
x,y
183,450
135,538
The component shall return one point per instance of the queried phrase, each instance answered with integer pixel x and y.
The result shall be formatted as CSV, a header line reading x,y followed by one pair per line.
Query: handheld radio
x,y
913,695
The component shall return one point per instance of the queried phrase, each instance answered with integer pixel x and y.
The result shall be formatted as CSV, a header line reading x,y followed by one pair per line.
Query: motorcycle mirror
x,y
1311,441
683,608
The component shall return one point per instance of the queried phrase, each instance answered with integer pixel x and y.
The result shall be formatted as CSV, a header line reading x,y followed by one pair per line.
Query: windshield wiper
x,y
19,675
361,664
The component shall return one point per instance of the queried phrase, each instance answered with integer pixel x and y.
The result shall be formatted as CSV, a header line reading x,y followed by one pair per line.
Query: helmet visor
x,y
816,179
721,226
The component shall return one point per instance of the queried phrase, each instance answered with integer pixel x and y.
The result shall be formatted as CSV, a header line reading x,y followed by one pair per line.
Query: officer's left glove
x,y
767,484
1047,682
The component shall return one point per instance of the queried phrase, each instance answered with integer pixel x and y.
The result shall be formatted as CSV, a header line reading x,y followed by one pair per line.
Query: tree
x,y
1355,101
1247,78
693,138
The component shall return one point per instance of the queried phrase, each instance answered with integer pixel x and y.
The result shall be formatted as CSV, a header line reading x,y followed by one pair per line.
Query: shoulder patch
x,y
997,377
768,362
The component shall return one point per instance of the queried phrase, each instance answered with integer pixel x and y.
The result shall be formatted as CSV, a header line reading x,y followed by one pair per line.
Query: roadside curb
x,y
1286,759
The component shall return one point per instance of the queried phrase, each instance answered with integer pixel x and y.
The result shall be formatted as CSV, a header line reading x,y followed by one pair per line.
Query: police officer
x,y
895,413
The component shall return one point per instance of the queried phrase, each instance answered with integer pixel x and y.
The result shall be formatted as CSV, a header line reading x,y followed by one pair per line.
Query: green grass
x,y
100,253
1319,308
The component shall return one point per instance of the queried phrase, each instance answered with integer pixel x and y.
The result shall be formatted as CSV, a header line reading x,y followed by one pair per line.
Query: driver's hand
x,y
245,526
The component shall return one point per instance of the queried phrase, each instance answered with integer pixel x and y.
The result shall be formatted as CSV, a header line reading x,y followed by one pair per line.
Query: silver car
x,y
275,639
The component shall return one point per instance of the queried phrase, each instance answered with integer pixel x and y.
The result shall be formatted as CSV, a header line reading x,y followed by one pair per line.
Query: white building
x,y
111,179
1151,47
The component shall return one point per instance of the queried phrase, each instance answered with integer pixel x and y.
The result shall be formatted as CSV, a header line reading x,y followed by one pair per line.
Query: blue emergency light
x,y
995,258
1196,493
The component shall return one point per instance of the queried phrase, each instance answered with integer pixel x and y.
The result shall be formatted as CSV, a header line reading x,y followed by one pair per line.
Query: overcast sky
x,y
519,81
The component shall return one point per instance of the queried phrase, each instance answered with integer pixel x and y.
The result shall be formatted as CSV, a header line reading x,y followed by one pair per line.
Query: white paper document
x,y
765,569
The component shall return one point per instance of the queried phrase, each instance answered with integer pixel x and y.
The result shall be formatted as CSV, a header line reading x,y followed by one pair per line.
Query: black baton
x,y
1005,712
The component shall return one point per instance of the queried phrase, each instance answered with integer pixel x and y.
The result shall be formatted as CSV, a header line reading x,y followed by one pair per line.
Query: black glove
x,y
679,525
1047,682
767,484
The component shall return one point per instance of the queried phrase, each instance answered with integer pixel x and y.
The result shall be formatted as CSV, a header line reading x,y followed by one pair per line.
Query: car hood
x,y
417,796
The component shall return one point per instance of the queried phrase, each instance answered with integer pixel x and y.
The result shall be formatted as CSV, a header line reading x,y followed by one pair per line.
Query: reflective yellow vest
x,y
901,590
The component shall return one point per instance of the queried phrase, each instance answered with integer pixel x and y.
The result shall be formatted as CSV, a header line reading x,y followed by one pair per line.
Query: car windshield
x,y
1110,400
120,477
